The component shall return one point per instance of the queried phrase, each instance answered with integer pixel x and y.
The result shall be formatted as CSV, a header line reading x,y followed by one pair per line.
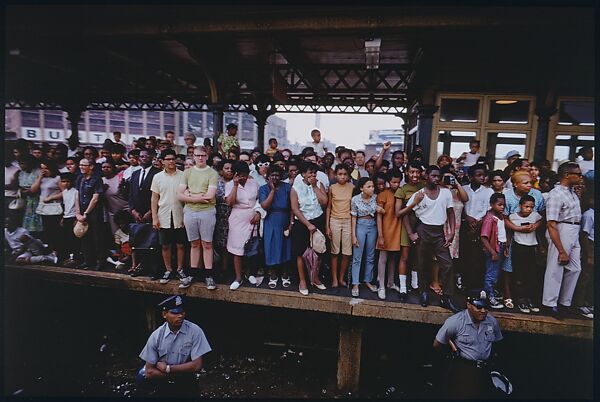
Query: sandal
x,y
286,282
508,303
437,290
273,282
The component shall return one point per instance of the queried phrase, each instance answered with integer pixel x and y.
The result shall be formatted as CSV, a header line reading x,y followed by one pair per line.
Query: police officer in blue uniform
x,y
173,352
469,336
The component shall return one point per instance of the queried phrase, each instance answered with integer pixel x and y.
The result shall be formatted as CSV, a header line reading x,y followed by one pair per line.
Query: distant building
x,y
96,126
378,137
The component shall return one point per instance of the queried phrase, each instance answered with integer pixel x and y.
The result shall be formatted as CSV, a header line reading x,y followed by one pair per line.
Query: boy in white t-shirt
x,y
317,144
523,253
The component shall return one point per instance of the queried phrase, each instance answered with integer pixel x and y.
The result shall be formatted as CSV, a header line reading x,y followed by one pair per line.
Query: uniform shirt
x,y
563,205
198,181
360,207
472,342
512,201
188,344
587,223
479,201
522,238
169,207
433,212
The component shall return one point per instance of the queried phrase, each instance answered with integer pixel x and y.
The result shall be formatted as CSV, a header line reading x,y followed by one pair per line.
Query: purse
x,y
253,245
17,203
49,208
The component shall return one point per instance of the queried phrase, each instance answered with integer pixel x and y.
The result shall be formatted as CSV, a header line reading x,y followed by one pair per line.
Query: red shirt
x,y
489,229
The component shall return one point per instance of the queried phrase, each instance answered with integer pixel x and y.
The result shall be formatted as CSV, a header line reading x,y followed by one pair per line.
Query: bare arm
x,y
35,186
379,160
462,194
154,209
328,214
353,221
55,196
266,204
321,194
232,197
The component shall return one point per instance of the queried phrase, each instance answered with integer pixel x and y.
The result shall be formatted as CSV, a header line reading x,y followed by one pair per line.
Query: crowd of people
x,y
392,222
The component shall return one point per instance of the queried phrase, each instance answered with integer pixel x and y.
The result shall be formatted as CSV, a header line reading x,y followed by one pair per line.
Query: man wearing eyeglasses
x,y
563,266
469,336
197,189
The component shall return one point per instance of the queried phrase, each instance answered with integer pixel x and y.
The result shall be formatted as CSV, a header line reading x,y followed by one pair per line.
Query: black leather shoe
x,y
554,312
446,302
424,300
137,271
403,297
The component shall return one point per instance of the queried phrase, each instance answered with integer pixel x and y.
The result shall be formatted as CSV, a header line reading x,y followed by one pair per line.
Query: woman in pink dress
x,y
241,194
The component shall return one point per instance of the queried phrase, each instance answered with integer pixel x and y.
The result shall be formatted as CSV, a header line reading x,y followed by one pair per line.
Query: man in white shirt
x,y
434,209
474,211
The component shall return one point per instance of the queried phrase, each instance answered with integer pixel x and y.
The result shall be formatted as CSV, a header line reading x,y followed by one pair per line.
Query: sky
x,y
350,130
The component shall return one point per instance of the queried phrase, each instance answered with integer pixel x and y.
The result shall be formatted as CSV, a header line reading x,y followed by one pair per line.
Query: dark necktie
x,y
143,177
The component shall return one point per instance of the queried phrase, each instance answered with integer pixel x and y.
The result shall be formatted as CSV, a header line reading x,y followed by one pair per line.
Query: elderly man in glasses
x,y
469,336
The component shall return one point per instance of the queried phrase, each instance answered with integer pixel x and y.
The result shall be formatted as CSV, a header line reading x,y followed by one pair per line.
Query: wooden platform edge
x,y
540,325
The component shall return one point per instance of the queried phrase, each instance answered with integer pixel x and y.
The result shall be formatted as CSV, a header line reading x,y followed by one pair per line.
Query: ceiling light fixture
x,y
372,47
505,102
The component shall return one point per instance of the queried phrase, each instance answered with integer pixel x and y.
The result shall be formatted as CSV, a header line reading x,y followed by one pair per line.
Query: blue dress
x,y
278,248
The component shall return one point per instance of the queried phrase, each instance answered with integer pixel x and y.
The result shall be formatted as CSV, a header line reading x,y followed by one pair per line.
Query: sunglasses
x,y
263,164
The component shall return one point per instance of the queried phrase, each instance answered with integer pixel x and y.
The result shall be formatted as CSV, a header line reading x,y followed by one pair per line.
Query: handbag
x,y
49,208
17,203
253,245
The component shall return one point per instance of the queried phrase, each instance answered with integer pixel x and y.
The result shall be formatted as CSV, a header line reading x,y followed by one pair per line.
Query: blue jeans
x,y
492,269
366,233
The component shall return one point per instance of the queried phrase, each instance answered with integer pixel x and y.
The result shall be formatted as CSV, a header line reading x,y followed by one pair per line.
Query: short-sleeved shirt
x,y
87,188
246,195
188,344
69,199
169,207
406,191
512,201
307,199
471,159
360,207
198,181
522,238
341,196
587,223
49,186
563,205
433,212
479,201
472,342
392,226
319,148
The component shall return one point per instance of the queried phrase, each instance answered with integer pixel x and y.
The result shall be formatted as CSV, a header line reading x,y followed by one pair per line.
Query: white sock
x,y
402,283
414,279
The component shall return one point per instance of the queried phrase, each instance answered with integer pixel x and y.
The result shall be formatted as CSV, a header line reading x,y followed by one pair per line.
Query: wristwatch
x,y
168,370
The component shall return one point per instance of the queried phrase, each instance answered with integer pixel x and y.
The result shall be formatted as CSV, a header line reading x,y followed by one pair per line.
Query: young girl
x,y
338,223
389,228
363,208
494,238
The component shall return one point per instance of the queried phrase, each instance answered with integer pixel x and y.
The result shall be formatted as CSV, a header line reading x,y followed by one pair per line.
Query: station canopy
x,y
300,59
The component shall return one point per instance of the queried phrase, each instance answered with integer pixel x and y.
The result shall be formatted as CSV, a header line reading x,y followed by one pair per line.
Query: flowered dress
x,y
31,221
223,211
227,142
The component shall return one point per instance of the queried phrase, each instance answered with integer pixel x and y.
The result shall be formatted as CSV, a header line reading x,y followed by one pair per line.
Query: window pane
x,y
53,119
97,120
499,144
30,118
459,110
454,143
512,113
576,113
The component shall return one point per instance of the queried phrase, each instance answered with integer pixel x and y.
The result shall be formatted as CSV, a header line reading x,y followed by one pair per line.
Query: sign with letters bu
x,y
31,133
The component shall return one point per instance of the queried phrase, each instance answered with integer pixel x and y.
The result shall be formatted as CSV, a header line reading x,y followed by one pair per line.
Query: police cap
x,y
478,298
173,304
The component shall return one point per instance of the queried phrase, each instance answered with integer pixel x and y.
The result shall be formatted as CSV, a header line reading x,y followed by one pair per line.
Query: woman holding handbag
x,y
241,194
29,173
49,206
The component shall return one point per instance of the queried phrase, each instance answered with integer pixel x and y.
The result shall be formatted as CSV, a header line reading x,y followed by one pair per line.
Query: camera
x,y
449,180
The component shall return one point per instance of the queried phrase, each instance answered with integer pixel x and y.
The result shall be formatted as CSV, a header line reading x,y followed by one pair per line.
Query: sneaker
x,y
235,285
381,293
54,257
166,277
210,283
498,295
185,282
532,307
252,279
179,274
459,285
524,307
586,312
495,304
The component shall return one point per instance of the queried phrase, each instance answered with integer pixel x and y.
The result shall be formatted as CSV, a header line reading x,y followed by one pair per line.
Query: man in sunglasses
x,y
469,336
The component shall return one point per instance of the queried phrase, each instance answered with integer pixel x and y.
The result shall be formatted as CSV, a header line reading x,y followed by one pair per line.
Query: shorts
x,y
199,225
341,236
170,236
301,236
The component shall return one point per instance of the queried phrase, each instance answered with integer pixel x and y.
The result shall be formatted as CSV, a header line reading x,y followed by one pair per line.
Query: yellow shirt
x,y
341,197
198,181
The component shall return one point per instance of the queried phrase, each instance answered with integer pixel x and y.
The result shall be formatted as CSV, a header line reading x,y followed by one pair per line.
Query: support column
x,y
544,115
261,113
74,117
425,128
151,324
349,351
218,112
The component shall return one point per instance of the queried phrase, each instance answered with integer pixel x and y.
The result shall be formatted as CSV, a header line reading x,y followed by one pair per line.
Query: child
x,y
470,158
534,172
72,244
494,239
584,293
496,181
523,253
229,141
338,223
389,228
24,248
363,208
316,143
272,150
